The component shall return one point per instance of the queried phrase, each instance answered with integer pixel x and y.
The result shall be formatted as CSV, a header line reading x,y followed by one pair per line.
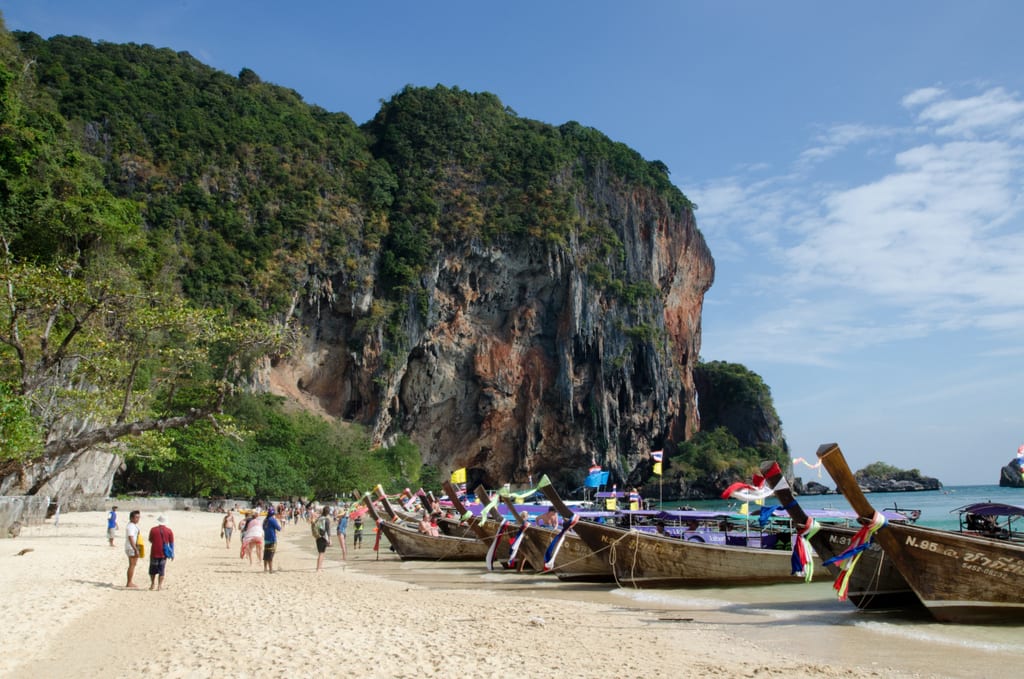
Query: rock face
x,y
78,484
522,364
751,418
876,485
1010,476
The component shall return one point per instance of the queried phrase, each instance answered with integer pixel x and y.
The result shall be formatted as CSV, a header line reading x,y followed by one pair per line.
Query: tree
x,y
94,344
75,340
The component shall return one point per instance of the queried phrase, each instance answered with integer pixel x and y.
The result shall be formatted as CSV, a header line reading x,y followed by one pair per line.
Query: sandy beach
x,y
67,613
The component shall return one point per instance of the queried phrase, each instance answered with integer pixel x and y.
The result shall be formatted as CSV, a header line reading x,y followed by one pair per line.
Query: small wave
x,y
671,598
1002,640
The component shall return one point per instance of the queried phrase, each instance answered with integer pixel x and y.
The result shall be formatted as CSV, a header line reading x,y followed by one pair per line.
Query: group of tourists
x,y
257,528
161,546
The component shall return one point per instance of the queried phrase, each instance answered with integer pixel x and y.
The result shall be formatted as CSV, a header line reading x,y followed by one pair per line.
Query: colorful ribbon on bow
x,y
493,549
552,551
515,544
803,558
848,559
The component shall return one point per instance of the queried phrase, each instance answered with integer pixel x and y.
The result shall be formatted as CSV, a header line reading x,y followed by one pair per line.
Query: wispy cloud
x,y
934,242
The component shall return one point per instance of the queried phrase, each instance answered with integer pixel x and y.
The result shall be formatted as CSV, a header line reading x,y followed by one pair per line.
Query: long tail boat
x,y
412,545
873,582
571,559
958,577
640,559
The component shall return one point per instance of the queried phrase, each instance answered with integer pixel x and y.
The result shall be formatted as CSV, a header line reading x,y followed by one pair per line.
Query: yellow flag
x,y
657,469
459,475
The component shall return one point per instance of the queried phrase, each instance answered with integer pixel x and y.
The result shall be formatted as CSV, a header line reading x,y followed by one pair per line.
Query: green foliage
x,y
735,384
20,436
253,184
272,452
718,454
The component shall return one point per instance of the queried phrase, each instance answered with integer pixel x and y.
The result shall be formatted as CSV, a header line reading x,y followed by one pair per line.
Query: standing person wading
x,y
322,533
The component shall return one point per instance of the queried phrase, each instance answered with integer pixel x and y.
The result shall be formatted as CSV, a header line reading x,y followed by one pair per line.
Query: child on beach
x,y
357,532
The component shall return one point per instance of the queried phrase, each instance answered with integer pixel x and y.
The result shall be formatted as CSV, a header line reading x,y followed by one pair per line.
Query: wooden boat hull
x,y
875,582
651,560
959,578
575,562
411,545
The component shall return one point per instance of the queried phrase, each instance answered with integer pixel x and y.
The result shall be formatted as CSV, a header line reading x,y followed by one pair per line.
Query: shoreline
x,y
69,613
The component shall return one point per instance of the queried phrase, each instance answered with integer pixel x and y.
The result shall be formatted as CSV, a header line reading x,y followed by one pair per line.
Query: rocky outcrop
x,y
877,485
522,364
75,482
733,397
810,488
1012,474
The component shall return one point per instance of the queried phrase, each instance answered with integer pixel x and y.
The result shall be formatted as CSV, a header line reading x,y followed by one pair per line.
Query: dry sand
x,y
67,613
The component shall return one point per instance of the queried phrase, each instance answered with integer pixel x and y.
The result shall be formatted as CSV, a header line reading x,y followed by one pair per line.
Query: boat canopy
x,y
990,509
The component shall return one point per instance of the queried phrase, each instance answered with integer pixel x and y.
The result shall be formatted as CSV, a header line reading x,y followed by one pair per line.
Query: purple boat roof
x,y
990,509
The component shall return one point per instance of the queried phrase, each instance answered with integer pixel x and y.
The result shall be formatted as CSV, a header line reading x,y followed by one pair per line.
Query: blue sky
x,y
858,167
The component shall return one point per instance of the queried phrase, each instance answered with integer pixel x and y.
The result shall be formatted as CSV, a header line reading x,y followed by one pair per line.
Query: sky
x,y
858,170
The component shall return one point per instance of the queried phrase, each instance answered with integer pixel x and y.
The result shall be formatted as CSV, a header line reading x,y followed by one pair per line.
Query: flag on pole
x,y
657,457
459,475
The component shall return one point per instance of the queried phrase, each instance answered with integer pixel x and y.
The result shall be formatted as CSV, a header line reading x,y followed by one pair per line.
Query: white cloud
x,y
922,96
995,111
935,243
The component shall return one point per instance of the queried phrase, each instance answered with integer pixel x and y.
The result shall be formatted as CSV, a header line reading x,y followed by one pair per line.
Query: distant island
x,y
880,477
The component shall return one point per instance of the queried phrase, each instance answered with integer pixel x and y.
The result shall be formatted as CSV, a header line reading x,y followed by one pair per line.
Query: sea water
x,y
938,507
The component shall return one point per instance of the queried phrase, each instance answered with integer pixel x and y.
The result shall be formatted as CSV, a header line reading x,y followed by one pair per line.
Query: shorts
x,y
321,545
111,533
227,533
268,551
157,566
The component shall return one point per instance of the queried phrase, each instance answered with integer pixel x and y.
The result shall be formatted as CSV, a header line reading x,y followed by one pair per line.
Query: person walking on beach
x,y
342,529
252,539
322,533
131,545
270,527
161,545
227,527
111,525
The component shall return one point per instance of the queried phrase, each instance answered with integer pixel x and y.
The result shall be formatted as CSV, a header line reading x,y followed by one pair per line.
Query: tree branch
x,y
115,431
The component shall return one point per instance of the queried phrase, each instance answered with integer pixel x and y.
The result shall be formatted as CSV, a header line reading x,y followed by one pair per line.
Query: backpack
x,y
320,527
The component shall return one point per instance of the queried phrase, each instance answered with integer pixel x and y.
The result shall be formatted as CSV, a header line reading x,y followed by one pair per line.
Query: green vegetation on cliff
x,y
739,430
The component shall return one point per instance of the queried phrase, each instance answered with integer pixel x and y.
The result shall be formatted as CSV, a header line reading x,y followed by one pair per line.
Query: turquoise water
x,y
935,505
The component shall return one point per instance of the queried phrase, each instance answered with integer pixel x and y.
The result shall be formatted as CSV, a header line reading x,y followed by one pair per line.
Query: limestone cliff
x,y
522,364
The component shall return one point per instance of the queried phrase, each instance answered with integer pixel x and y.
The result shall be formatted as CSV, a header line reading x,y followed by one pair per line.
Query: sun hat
x,y
161,519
